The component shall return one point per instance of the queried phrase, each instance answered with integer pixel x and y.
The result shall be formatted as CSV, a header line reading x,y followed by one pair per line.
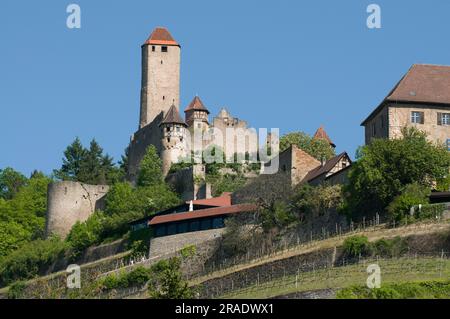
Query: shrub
x,y
429,211
407,290
168,282
30,260
413,194
16,290
357,245
394,247
85,234
138,276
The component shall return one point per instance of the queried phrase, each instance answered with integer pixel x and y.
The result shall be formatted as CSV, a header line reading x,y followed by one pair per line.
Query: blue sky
x,y
288,64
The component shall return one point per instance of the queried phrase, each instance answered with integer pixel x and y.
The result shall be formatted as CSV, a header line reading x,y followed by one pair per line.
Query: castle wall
x,y
69,202
164,245
140,141
186,183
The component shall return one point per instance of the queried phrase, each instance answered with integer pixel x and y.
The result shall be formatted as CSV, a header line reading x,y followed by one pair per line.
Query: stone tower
x,y
160,86
174,141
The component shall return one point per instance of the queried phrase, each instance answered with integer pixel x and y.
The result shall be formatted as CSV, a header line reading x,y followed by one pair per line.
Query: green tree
x,y
10,182
412,194
23,217
87,165
74,156
85,234
169,283
317,148
386,166
150,170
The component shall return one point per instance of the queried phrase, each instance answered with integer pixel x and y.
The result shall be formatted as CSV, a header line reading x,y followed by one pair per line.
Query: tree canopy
x,y
385,166
87,165
150,170
317,148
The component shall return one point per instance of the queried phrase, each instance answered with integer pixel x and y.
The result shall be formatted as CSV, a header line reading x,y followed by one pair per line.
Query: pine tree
x,y
74,156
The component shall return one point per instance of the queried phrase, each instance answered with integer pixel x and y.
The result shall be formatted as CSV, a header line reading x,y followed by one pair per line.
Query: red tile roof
x,y
423,83
209,212
321,134
196,104
161,36
223,200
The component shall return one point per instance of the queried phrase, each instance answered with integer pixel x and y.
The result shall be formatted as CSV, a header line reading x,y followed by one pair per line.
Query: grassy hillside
x,y
400,270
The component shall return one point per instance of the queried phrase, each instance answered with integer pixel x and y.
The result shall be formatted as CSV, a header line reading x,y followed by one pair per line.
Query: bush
x,y
413,194
316,201
16,290
30,260
137,277
357,246
407,290
394,247
86,234
168,282
430,211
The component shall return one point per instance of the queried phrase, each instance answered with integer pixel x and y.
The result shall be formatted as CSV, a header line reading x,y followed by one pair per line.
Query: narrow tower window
x,y
153,48
163,49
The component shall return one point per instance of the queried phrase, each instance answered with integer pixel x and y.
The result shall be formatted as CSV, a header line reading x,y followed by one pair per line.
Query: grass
x,y
392,271
373,234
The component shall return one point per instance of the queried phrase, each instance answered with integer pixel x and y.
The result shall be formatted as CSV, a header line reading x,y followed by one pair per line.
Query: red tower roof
x,y
161,36
196,104
321,134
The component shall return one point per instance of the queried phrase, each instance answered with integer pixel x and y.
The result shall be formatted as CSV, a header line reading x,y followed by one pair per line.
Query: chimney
x,y
322,161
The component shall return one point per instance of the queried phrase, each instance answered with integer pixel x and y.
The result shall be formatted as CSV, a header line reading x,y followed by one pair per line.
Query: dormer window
x,y
163,48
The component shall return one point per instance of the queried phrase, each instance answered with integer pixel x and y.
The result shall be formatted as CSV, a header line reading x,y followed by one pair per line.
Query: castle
x,y
160,123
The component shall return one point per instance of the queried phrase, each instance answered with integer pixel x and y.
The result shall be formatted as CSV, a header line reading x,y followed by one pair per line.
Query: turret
x,y
174,143
322,135
196,114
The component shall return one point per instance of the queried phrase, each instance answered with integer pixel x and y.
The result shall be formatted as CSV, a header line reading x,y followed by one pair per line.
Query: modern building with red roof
x,y
192,216
420,99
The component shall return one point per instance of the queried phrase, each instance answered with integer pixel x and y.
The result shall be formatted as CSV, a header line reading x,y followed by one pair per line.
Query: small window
x,y
443,118
153,48
168,140
168,128
178,128
163,49
374,129
164,97
417,117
